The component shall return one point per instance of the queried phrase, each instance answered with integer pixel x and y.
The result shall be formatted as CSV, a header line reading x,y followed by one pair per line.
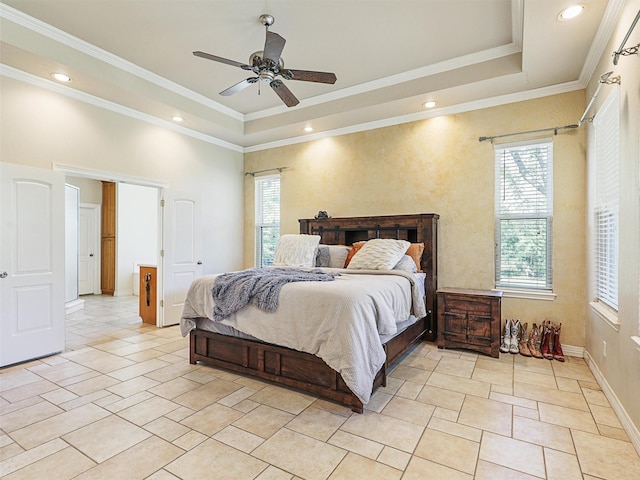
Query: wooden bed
x,y
308,372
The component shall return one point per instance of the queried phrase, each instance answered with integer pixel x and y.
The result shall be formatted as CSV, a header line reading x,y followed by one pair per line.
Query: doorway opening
x,y
137,239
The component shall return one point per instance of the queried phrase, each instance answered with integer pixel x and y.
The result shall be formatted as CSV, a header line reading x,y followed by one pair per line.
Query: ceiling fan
x,y
267,64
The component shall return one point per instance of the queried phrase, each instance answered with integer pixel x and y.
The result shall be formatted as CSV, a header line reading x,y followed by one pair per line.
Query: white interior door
x,y
88,248
32,253
182,248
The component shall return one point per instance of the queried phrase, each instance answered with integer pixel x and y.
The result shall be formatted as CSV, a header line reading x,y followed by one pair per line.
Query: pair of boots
x,y
550,344
515,340
511,337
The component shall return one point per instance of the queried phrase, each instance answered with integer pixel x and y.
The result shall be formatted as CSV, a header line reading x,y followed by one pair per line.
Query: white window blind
x,y
607,140
267,193
524,215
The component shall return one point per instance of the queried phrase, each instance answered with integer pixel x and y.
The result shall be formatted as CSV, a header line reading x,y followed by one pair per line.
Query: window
x,y
606,221
524,214
267,190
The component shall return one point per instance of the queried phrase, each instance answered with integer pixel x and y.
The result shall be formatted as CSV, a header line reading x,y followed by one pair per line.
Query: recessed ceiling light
x,y
429,104
177,118
308,129
572,12
61,77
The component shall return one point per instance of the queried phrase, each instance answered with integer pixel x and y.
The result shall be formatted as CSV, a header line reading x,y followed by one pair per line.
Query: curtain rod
x,y
605,78
253,174
630,50
553,129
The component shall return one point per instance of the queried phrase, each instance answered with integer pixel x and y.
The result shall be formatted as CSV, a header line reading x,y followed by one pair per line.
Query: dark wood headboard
x,y
416,228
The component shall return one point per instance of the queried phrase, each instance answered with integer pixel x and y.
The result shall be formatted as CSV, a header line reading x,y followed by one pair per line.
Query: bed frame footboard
x,y
289,367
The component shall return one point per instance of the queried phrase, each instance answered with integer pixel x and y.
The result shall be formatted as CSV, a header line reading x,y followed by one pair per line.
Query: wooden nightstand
x,y
469,319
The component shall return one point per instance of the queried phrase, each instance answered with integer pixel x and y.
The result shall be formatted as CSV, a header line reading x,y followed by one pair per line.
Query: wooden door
x,y
108,239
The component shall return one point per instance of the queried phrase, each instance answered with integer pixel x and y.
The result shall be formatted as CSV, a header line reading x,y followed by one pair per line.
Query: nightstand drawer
x,y
467,304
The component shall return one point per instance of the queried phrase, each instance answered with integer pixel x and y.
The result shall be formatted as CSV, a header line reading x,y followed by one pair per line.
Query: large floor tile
x,y
514,454
421,469
450,450
355,466
485,414
214,460
303,456
596,455
384,429
135,463
105,438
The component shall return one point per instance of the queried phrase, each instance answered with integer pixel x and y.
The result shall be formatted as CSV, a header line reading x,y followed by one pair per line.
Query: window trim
x,y
529,291
258,224
609,111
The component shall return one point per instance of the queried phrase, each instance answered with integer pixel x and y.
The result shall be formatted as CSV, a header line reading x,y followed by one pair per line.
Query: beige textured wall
x,y
621,365
438,165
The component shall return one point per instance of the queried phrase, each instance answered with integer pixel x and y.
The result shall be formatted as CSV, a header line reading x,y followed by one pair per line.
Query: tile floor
x,y
124,403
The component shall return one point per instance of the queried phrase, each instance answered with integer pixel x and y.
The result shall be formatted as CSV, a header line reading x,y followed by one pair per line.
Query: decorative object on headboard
x,y
322,215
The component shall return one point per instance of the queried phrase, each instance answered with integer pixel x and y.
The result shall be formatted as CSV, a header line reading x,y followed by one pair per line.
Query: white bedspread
x,y
339,321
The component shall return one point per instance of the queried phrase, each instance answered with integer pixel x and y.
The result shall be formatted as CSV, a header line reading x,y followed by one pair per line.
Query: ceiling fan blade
x,y
310,76
273,46
215,58
239,86
284,93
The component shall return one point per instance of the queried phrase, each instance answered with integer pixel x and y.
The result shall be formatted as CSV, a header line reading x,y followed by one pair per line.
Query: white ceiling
x,y
389,56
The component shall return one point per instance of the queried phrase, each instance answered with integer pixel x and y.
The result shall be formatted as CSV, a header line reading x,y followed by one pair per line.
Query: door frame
x,y
95,209
132,180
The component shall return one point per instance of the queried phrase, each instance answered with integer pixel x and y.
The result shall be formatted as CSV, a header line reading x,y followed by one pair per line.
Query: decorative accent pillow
x,y
379,254
332,256
296,251
322,256
415,251
352,251
338,255
407,264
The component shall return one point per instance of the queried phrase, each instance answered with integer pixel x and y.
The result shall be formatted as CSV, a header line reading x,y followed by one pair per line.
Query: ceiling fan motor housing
x,y
267,64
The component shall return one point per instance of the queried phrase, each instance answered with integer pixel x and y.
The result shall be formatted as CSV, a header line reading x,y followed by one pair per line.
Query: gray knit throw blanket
x,y
259,287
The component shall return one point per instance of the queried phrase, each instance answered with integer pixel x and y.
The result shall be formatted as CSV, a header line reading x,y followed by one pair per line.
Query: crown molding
x,y
437,112
393,80
610,19
87,48
20,75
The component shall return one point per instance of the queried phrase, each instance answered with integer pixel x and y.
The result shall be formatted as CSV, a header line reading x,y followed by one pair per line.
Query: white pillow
x,y
296,251
407,264
379,254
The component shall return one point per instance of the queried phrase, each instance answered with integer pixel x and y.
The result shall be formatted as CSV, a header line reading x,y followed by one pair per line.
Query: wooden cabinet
x,y
469,319
148,295
108,239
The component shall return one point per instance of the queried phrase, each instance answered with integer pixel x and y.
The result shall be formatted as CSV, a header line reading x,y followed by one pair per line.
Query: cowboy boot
x,y
533,342
515,331
557,348
523,346
506,337
544,343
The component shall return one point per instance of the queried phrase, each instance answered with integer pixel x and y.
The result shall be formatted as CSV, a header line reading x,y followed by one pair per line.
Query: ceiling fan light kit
x,y
267,64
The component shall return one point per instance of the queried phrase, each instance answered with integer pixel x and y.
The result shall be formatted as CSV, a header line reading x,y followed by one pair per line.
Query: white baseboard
x,y
573,351
73,306
625,420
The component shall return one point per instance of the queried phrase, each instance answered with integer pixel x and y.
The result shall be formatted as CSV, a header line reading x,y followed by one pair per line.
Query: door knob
x,y
199,262
91,254
3,275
